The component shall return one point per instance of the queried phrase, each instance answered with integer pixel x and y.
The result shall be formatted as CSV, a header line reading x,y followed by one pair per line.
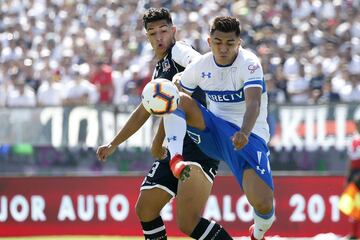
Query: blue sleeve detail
x,y
187,88
255,82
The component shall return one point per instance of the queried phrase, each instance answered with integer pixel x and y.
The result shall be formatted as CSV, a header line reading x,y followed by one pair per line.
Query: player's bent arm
x,y
252,101
137,118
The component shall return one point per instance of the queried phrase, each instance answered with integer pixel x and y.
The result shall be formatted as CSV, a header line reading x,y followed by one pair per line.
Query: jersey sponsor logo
x,y
165,65
206,75
226,96
195,137
253,67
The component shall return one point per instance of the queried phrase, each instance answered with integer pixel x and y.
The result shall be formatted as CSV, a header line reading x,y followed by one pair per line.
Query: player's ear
x,y
173,29
209,41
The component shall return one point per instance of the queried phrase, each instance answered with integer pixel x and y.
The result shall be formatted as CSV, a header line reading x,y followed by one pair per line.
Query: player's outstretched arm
x,y
252,101
137,118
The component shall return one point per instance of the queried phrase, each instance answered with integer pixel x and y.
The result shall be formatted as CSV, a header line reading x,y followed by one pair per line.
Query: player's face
x,y
224,46
161,36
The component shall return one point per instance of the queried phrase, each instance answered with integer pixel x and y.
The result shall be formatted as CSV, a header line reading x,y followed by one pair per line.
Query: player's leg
x,y
158,187
261,197
190,201
187,113
148,207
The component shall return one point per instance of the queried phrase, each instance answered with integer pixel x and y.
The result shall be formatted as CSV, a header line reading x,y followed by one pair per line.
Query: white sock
x,y
261,224
175,130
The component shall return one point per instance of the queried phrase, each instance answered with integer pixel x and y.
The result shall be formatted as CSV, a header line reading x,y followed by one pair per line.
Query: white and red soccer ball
x,y
160,96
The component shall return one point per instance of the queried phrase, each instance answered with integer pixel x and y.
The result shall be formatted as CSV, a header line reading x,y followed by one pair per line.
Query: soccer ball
x,y
160,96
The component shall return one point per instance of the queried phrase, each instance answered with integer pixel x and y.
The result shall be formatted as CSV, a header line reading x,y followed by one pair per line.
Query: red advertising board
x,y
305,206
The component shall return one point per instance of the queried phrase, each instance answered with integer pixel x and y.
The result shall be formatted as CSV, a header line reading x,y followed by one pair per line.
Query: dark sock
x,y
209,231
154,230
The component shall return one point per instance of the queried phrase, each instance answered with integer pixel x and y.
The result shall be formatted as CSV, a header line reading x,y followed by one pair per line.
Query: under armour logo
x,y
262,171
173,138
206,74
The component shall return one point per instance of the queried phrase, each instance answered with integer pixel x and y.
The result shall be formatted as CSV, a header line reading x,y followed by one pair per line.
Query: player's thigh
x,y
158,187
258,193
193,194
194,117
150,202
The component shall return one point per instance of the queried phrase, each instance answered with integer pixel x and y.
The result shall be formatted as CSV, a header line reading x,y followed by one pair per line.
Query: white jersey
x,y
224,87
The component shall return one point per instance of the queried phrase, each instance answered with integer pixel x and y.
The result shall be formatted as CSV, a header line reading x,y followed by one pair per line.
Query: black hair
x,y
156,14
226,24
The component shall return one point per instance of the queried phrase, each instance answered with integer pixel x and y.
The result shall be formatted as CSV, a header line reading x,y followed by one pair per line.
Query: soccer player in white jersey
x,y
234,126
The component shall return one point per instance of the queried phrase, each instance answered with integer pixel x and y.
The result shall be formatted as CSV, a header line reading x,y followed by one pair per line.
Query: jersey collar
x,y
227,65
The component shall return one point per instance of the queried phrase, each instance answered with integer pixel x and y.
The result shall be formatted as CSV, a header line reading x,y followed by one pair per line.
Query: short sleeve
x,y
183,54
188,80
253,73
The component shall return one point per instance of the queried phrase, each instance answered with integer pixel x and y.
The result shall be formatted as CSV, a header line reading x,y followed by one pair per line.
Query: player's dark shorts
x,y
160,175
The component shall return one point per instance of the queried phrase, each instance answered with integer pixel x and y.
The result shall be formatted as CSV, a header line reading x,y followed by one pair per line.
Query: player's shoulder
x,y
182,47
182,53
201,62
207,58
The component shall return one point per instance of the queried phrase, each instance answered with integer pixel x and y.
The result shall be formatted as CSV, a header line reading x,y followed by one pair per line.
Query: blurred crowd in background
x,y
70,52
95,52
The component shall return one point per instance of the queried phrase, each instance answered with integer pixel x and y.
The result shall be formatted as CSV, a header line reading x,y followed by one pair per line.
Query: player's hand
x,y
240,139
176,80
104,151
158,151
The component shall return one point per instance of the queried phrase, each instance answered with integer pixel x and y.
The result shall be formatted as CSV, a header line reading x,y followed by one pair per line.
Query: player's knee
x,y
263,205
187,222
144,213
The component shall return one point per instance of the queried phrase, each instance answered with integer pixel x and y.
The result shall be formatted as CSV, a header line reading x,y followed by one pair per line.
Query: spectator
x,y
328,94
102,79
120,76
58,34
81,91
21,95
51,91
298,87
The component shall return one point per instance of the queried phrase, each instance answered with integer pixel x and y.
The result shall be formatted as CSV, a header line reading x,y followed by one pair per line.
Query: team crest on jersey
x,y
166,65
253,67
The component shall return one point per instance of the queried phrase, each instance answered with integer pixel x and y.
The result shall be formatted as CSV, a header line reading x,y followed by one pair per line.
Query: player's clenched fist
x,y
240,139
104,151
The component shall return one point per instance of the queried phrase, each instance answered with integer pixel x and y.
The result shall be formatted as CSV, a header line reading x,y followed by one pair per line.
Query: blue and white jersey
x,y
224,87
